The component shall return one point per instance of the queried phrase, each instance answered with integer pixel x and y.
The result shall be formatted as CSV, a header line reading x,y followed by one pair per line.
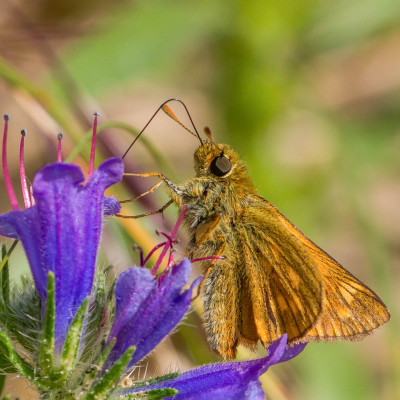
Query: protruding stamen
x,y
59,152
170,241
22,174
170,260
93,150
143,263
6,173
33,202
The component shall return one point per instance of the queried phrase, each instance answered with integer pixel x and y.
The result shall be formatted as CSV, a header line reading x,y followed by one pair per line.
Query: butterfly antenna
x,y
170,114
209,134
168,111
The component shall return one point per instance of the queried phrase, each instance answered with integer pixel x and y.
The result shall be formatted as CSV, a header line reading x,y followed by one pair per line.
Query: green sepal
x,y
156,379
161,393
156,394
95,320
106,383
71,345
104,354
47,339
23,367
97,366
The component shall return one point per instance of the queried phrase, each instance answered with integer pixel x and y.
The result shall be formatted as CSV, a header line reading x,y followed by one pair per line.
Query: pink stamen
x,y
208,258
171,238
33,202
6,173
93,150
170,260
152,252
168,237
59,152
22,174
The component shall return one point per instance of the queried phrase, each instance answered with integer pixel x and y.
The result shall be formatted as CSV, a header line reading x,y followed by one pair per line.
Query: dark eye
x,y
220,166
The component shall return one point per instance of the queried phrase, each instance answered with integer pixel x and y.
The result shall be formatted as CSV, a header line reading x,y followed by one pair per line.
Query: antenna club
x,y
60,136
97,114
24,132
6,117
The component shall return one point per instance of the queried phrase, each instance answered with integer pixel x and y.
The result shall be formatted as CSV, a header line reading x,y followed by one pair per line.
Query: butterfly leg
x,y
161,210
174,190
151,190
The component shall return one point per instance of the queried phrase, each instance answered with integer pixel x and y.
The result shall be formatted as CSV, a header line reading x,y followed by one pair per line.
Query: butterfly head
x,y
218,161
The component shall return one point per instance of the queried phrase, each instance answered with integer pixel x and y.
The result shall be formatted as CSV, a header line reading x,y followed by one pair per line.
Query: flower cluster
x,y
64,334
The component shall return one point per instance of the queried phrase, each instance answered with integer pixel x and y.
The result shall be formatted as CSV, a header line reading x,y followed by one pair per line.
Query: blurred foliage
x,y
308,92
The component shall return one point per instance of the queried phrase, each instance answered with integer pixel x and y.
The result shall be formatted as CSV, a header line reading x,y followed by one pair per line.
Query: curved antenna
x,y
167,111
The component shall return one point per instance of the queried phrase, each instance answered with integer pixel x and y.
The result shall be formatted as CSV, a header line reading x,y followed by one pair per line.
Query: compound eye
x,y
220,166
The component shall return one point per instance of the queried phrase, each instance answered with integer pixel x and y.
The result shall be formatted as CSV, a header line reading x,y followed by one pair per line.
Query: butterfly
x,y
271,279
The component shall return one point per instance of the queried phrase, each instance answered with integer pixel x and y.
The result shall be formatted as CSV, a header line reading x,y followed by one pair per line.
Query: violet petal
x,y
228,381
147,309
61,232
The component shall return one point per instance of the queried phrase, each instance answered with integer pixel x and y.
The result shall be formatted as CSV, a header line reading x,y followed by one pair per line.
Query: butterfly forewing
x,y
349,309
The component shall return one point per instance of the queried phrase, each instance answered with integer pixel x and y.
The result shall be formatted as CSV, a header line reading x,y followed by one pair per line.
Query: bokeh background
x,y
308,92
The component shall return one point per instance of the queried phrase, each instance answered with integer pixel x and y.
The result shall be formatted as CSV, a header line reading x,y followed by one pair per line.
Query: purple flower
x,y
148,308
228,381
61,232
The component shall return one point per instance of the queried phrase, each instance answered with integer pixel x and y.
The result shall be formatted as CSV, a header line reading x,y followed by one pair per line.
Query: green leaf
x,y
23,367
106,383
46,344
73,339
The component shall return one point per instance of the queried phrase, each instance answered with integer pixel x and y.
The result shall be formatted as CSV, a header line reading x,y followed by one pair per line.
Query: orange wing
x,y
349,309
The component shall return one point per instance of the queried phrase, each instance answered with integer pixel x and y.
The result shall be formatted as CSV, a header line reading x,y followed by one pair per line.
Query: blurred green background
x,y
308,93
